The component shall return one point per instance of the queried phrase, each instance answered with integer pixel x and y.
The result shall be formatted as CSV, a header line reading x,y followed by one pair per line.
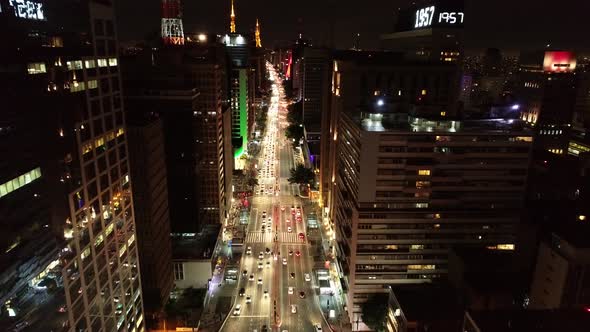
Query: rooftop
x,y
429,303
531,320
201,246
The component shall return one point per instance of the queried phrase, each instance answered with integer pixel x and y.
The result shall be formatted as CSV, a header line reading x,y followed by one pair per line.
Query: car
x,y
237,309
302,294
251,277
290,290
292,275
248,299
261,255
268,251
318,328
290,252
264,328
242,291
307,277
293,309
284,261
297,253
260,266
259,281
289,229
298,213
282,208
245,273
301,236
267,264
266,293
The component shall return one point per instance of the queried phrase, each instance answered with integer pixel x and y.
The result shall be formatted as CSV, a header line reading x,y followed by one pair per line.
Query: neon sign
x,y
30,10
424,17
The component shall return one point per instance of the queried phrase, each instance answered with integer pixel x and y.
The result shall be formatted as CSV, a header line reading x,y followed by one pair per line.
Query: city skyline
x,y
505,24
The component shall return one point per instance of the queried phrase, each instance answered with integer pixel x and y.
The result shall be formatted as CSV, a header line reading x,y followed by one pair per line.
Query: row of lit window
x,y
101,141
40,67
556,151
531,85
551,132
19,182
81,86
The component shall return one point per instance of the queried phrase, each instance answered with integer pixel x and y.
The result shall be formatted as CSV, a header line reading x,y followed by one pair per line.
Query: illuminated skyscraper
x,y
232,23
65,191
257,35
172,31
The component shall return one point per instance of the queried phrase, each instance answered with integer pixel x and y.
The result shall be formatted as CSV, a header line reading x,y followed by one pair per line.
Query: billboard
x,y
441,13
559,61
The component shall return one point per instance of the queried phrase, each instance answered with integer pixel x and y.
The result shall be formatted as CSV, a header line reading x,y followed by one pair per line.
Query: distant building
x,y
193,259
429,31
547,94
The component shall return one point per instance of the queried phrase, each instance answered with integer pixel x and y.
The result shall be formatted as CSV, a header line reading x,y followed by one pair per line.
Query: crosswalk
x,y
266,237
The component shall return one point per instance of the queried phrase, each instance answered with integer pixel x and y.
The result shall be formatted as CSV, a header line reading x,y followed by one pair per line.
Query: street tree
x,y
302,175
374,312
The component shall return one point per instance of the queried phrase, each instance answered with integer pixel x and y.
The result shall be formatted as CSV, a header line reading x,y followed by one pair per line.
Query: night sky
x,y
508,24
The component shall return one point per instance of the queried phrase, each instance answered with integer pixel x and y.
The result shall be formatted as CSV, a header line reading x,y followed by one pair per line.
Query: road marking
x,y
250,316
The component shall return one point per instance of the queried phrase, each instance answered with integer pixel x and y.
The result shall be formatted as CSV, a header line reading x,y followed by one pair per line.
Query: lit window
x,y
443,113
505,247
20,181
422,184
36,68
178,271
92,84
423,172
581,217
74,65
423,92
102,63
112,62
77,86
90,64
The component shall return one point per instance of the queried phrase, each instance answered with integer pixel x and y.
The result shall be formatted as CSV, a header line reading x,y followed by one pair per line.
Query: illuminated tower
x,y
172,32
257,35
232,23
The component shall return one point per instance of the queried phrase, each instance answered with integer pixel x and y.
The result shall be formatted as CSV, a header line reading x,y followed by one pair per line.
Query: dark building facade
x,y
147,157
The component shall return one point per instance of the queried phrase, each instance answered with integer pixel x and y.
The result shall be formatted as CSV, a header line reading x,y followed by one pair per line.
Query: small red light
x,y
587,309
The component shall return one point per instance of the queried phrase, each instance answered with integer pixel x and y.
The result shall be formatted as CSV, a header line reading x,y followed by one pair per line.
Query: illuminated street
x,y
274,225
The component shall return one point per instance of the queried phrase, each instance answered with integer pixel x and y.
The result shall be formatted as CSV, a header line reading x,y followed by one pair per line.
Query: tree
x,y
302,175
374,312
294,132
252,182
295,114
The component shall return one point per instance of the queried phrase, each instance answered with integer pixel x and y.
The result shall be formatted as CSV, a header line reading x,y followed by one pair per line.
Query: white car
x,y
318,328
267,264
265,293
237,309
293,309
307,277
261,255
248,299
260,281
290,291
260,265
289,229
284,261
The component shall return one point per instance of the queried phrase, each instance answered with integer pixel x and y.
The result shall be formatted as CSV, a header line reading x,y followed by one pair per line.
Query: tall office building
x,y
147,157
186,86
237,50
409,179
65,82
431,30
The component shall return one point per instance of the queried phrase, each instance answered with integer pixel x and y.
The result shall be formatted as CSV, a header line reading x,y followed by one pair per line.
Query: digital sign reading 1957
x,y
425,16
